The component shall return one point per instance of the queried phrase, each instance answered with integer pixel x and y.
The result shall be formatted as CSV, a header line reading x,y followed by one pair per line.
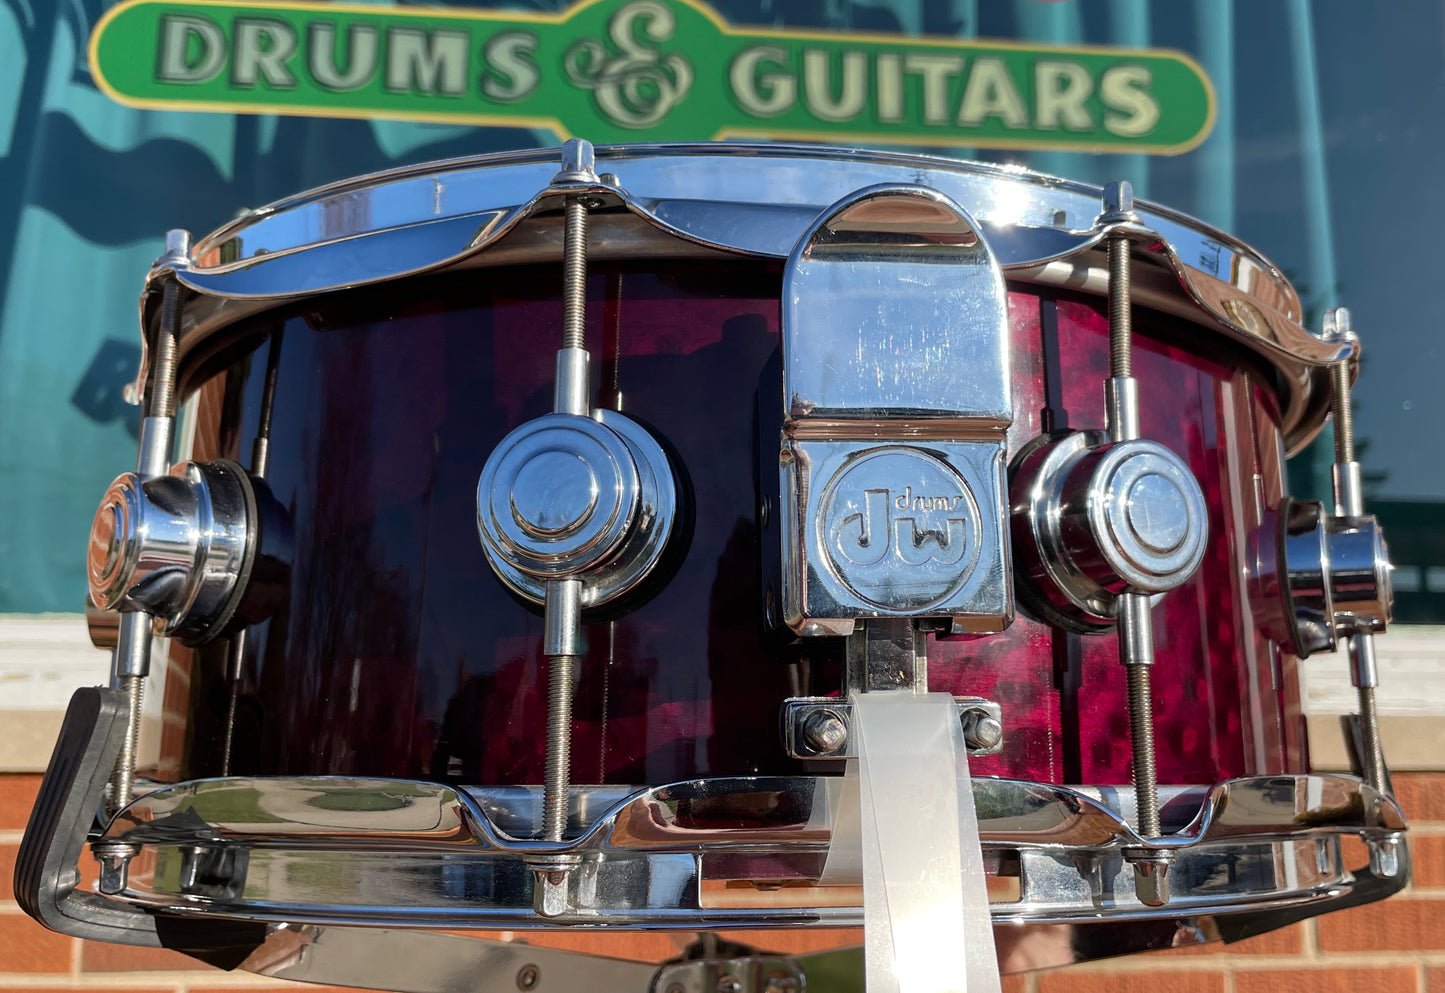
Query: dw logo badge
x,y
900,528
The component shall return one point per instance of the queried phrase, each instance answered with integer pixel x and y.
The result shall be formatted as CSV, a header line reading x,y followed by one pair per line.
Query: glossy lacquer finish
x,y
398,652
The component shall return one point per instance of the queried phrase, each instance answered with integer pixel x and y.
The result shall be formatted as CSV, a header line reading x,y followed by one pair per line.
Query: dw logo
x,y
864,538
900,528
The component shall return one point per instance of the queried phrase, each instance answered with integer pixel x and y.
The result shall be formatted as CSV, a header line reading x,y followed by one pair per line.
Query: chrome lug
x,y
571,496
1328,577
1093,520
175,546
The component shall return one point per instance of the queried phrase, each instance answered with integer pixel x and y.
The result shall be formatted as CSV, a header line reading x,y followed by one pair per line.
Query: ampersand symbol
x,y
637,87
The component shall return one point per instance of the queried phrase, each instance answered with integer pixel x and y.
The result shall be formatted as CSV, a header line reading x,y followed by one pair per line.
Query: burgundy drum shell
x,y
397,652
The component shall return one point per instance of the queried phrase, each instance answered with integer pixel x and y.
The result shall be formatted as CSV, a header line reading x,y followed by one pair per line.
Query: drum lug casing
x,y
891,487
1320,577
179,546
1093,519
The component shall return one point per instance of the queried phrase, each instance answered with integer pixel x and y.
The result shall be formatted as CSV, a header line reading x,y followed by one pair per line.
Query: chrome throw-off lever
x,y
886,463
889,465
574,508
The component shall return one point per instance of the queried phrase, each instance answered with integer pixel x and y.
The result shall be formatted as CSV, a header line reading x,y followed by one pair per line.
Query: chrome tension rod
x,y
1350,502
131,661
562,624
1133,609
574,509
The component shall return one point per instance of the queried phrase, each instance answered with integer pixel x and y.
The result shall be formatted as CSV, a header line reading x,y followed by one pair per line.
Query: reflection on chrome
x,y
389,852
685,200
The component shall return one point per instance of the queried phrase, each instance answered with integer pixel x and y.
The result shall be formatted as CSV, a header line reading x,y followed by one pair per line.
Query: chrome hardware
x,y
174,546
114,858
1329,575
155,385
1333,575
579,160
982,728
574,508
130,665
566,495
818,727
162,384
211,870
897,484
1098,519
1374,603
562,609
1107,520
1151,875
452,857
886,654
1154,547
464,213
742,974
558,495
554,875
825,732
1389,857
1250,854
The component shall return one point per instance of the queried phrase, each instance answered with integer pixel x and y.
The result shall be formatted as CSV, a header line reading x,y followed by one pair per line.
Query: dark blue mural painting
x,y
1331,173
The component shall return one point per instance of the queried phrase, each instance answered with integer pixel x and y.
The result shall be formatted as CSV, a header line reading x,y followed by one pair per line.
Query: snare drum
x,y
359,724
397,652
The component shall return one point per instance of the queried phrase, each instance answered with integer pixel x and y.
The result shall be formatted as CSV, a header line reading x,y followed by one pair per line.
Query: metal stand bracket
x,y
47,873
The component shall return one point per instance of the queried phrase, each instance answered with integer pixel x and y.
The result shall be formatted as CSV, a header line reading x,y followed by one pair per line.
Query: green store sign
x,y
656,70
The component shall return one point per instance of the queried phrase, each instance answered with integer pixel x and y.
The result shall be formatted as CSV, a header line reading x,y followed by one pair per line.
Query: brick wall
x,y
1395,947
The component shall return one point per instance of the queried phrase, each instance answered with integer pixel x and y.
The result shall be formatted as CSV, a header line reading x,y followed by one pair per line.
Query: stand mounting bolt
x,y
825,732
981,730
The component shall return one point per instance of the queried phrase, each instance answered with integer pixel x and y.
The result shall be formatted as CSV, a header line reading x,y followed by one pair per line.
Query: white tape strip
x,y
925,899
835,806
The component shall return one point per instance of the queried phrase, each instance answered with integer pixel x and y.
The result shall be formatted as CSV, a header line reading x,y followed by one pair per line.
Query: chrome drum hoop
x,y
1283,831
671,201
271,850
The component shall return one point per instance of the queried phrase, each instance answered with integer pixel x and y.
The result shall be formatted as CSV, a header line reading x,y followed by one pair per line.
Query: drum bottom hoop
x,y
272,872
415,854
